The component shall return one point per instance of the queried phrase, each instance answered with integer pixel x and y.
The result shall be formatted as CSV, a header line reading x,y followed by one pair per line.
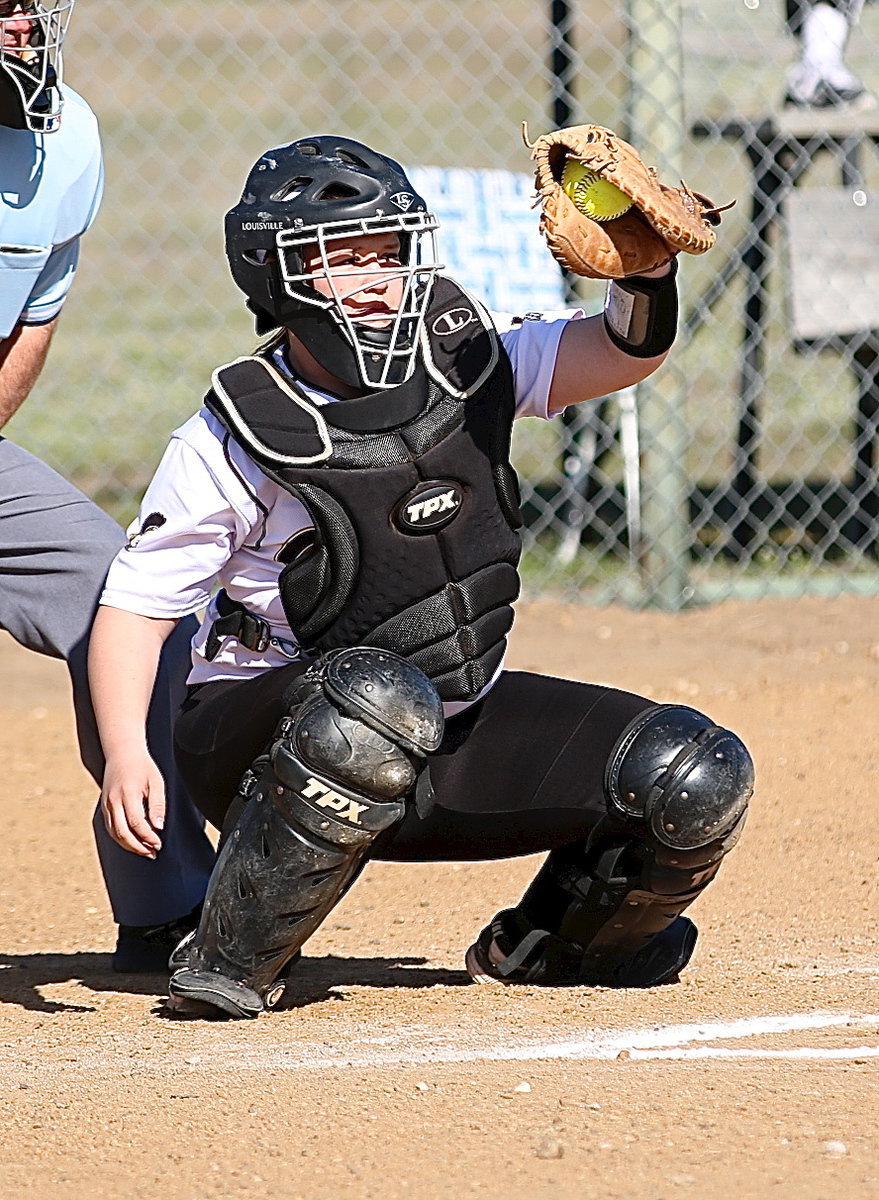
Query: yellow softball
x,y
592,195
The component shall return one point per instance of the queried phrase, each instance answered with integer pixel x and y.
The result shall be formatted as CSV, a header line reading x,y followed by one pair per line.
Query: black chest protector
x,y
412,497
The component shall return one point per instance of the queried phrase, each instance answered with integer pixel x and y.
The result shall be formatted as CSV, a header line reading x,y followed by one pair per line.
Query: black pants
x,y
520,772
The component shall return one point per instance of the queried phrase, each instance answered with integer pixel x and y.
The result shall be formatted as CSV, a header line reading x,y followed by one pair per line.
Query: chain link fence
x,y
746,466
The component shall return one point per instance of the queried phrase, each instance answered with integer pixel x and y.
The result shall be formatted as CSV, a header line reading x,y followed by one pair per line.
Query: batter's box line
x,y
423,1047
655,1042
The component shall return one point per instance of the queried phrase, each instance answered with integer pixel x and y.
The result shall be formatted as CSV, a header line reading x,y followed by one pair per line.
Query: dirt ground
x,y
755,1076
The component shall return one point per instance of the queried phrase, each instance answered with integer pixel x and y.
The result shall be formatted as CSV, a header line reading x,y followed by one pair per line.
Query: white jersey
x,y
211,518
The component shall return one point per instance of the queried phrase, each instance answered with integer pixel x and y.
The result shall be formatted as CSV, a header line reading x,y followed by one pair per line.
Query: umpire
x,y
55,544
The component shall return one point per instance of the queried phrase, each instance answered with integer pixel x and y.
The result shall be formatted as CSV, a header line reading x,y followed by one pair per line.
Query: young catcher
x,y
348,486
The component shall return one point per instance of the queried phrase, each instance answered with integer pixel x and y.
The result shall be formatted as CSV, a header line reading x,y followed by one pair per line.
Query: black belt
x,y
237,622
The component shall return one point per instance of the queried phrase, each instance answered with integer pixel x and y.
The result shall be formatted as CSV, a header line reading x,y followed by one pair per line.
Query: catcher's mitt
x,y
661,221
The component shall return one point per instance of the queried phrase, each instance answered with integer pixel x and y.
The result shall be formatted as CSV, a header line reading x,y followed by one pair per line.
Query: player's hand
x,y
133,802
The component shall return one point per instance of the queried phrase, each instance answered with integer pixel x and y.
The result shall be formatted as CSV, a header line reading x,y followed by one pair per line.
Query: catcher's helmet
x,y
312,193
31,36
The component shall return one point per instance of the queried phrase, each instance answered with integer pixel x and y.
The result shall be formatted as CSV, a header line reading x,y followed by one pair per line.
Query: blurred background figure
x,y
820,77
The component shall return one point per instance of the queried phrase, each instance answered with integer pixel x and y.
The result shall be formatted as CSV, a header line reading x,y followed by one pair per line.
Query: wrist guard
x,y
641,314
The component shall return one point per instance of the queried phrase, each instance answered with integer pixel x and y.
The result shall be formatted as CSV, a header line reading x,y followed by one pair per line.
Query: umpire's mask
x,y
31,34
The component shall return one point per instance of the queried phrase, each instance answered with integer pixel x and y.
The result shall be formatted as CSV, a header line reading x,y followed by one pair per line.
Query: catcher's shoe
x,y
144,949
195,992
180,956
200,993
502,955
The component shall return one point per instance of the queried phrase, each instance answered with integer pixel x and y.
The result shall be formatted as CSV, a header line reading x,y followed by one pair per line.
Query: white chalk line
x,y
655,1042
424,1046
798,1052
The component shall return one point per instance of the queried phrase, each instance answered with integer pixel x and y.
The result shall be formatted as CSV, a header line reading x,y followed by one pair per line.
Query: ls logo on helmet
x,y
403,200
453,321
429,507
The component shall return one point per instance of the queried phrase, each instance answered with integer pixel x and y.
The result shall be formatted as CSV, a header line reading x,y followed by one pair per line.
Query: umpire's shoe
x,y
502,955
144,949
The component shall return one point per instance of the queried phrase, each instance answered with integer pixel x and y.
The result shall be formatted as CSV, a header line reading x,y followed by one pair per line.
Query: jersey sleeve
x,y
532,343
193,517
52,285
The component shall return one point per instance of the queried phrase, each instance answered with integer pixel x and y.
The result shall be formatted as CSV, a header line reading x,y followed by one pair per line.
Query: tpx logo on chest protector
x,y
429,507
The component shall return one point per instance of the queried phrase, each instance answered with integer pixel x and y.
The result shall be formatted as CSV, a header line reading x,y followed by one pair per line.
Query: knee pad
x,y
364,717
609,910
686,778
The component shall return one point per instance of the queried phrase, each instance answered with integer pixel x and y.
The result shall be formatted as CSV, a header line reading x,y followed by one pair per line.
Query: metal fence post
x,y
655,113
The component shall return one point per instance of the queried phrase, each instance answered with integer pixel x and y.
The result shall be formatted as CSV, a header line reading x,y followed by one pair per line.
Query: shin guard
x,y
335,778
607,911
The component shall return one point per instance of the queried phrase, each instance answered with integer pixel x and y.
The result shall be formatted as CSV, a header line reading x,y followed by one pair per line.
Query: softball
x,y
592,195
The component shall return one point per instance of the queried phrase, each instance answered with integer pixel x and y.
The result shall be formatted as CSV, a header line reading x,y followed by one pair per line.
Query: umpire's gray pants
x,y
55,548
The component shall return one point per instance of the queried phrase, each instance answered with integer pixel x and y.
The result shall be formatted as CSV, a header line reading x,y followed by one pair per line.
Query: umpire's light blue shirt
x,y
50,189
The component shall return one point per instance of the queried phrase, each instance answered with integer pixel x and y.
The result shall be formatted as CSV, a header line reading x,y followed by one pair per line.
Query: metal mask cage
x,y
384,355
35,68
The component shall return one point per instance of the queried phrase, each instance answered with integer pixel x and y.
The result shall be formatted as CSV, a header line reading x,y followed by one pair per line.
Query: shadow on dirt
x,y
313,981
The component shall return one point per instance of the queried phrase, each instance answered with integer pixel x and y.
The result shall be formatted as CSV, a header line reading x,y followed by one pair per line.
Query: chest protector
x,y
411,493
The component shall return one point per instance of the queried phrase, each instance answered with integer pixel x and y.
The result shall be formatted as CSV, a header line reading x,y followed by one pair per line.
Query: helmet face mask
x,y
384,351
31,37
304,202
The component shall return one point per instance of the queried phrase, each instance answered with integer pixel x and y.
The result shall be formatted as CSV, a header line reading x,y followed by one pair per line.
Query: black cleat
x,y
199,993
540,960
144,949
179,956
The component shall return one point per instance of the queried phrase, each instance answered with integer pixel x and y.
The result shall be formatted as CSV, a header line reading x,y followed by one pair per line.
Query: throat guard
x,y
412,497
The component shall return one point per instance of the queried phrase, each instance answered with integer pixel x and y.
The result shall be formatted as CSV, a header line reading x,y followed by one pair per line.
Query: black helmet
x,y
310,193
30,66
